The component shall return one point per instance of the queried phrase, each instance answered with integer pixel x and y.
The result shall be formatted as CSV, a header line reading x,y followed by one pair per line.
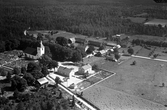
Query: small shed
x,y
43,81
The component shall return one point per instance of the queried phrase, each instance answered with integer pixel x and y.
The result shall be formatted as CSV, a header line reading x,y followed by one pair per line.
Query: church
x,y
35,53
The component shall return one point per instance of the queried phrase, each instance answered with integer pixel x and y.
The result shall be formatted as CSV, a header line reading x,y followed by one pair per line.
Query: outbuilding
x,y
86,68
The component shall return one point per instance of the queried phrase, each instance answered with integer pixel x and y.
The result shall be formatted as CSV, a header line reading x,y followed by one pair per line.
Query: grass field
x,y
108,99
143,80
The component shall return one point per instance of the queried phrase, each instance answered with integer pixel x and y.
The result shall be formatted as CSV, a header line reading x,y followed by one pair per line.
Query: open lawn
x,y
162,55
142,81
108,99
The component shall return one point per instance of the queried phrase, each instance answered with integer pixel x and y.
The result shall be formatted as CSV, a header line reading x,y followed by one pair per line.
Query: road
x,y
149,58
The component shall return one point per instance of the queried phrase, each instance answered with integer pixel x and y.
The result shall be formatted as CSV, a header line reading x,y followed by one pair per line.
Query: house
x,y
100,53
33,53
43,82
85,68
64,71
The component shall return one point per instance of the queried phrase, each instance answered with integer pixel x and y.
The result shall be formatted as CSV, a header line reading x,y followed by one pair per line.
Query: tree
x,y
48,52
18,83
37,74
3,72
117,56
90,49
62,41
130,51
133,63
16,94
23,70
76,56
16,71
20,106
52,64
57,81
116,50
29,78
8,77
39,37
45,60
32,66
95,67
7,107
102,47
45,71
81,49
3,101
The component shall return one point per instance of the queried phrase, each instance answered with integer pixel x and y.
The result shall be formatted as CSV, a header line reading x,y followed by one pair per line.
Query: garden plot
x,y
93,80
144,52
162,53
103,74
17,63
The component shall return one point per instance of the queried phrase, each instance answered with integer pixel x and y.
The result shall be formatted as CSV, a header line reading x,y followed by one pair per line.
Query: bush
x,y
3,72
95,67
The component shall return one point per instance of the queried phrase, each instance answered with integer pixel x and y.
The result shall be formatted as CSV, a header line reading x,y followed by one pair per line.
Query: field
x,y
143,80
108,99
162,22
137,19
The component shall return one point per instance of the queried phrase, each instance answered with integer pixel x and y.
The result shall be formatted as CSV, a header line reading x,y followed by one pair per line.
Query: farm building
x,y
157,22
81,40
35,53
85,68
53,77
95,43
111,44
64,71
43,81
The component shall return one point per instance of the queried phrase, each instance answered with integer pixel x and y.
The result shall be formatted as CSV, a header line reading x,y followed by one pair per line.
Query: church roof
x,y
30,50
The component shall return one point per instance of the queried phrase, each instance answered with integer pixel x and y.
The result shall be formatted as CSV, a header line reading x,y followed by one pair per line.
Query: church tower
x,y
40,50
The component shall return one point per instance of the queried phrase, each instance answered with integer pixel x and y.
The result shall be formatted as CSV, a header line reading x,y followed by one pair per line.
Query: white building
x,y
64,71
86,68
35,53
40,50
43,81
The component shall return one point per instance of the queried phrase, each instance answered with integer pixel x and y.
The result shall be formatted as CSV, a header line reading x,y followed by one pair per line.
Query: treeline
x,y
90,20
151,43
41,100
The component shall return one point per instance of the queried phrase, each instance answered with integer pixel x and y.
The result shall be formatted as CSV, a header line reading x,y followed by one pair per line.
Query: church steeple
x,y
40,49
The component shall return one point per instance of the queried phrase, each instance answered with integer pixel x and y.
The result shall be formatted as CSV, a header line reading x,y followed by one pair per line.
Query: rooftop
x,y
30,50
42,80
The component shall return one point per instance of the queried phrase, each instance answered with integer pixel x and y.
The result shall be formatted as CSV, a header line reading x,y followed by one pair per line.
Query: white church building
x,y
35,53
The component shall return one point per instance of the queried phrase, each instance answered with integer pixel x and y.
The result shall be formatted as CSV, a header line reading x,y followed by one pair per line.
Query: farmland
x,y
108,99
131,85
